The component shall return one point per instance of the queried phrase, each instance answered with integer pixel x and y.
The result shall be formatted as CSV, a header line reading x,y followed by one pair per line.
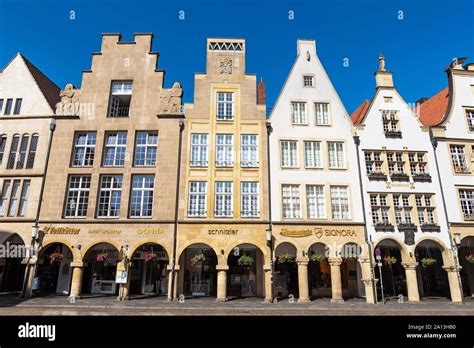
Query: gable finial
x,y
381,62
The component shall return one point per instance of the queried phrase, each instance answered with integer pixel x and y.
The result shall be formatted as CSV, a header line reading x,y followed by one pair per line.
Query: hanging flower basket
x,y
150,257
286,258
245,260
101,257
317,257
55,257
470,258
428,261
199,258
390,260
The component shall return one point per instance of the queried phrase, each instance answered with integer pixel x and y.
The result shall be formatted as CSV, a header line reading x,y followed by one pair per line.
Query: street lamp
x,y
378,257
269,239
457,239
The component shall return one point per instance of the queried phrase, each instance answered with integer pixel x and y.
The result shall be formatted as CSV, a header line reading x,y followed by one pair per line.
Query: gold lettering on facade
x,y
296,233
61,230
318,232
150,231
222,231
105,231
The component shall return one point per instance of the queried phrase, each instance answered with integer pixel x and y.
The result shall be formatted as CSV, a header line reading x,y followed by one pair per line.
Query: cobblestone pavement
x,y
10,304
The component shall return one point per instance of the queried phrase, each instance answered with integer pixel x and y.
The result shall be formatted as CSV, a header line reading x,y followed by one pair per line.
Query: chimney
x,y
261,97
383,78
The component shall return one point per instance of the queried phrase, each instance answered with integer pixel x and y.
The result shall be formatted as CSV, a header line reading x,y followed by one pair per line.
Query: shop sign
x,y
105,231
222,231
319,232
151,231
61,230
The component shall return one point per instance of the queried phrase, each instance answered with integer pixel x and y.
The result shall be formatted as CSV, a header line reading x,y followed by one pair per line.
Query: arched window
x,y
32,153
3,144
13,151
20,164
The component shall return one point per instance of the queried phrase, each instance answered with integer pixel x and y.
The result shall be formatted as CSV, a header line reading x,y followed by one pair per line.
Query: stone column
x,y
368,280
412,281
76,282
222,282
303,280
176,273
268,283
336,282
454,288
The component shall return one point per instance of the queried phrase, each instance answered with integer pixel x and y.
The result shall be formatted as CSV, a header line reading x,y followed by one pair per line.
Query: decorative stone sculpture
x,y
170,100
226,66
381,63
68,104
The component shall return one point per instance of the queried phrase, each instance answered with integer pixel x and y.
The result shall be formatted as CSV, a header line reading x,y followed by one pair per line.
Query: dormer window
x,y
308,81
120,98
470,119
391,125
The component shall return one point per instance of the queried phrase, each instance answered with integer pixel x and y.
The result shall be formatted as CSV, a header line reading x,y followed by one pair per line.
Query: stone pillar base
x,y
337,300
221,299
304,300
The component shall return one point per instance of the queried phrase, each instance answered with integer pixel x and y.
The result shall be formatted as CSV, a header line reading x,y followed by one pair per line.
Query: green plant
x,y
428,261
317,257
198,258
245,260
286,258
390,260
470,258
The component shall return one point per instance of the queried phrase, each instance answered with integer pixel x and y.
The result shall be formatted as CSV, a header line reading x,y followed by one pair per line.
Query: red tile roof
x,y
432,111
49,89
359,113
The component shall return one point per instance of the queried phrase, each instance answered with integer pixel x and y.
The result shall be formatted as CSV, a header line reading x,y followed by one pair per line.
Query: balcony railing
x,y
120,112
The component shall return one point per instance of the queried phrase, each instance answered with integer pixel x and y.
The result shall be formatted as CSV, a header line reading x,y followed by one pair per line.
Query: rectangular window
x,y
13,152
225,106
379,208
291,203
23,149
8,107
458,158
110,196
315,202
249,206
470,119
340,202
77,197
4,197
322,114
390,121
298,113
466,197
289,153
146,145
84,149
373,163
312,154
336,155
417,163
402,209
115,147
249,150
197,200
12,209
141,200
224,150
396,163
17,109
25,191
308,81
1,105
199,144
120,99
223,199
3,144
32,152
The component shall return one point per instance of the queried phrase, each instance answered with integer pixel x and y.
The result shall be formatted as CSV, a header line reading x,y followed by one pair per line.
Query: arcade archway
x,y
393,275
351,272
466,260
286,271
198,262
100,267
433,278
53,272
12,270
319,271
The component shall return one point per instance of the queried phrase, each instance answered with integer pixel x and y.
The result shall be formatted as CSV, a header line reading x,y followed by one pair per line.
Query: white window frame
x,y
14,198
290,153
200,149
315,199
458,158
224,199
148,147
115,146
313,150
141,190
322,117
111,190
25,192
298,113
466,203
339,160
249,197
200,197
83,194
6,186
293,200
89,150
249,151
224,105
308,78
470,119
337,201
224,150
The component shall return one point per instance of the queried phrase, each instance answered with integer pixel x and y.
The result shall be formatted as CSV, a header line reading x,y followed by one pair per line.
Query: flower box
x,y
393,134
430,227
400,176
406,227
421,177
383,227
377,176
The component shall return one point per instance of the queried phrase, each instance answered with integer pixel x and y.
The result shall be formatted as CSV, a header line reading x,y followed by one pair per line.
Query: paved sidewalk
x,y
108,305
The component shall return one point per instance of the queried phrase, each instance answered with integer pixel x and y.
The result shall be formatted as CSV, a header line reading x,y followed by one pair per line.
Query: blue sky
x,y
417,48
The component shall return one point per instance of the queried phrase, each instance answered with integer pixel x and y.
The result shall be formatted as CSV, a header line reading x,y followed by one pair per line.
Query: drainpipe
x,y
270,222
434,142
369,245
26,291
176,207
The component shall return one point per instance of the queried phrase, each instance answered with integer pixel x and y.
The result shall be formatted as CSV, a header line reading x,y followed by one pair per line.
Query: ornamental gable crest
x,y
226,66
